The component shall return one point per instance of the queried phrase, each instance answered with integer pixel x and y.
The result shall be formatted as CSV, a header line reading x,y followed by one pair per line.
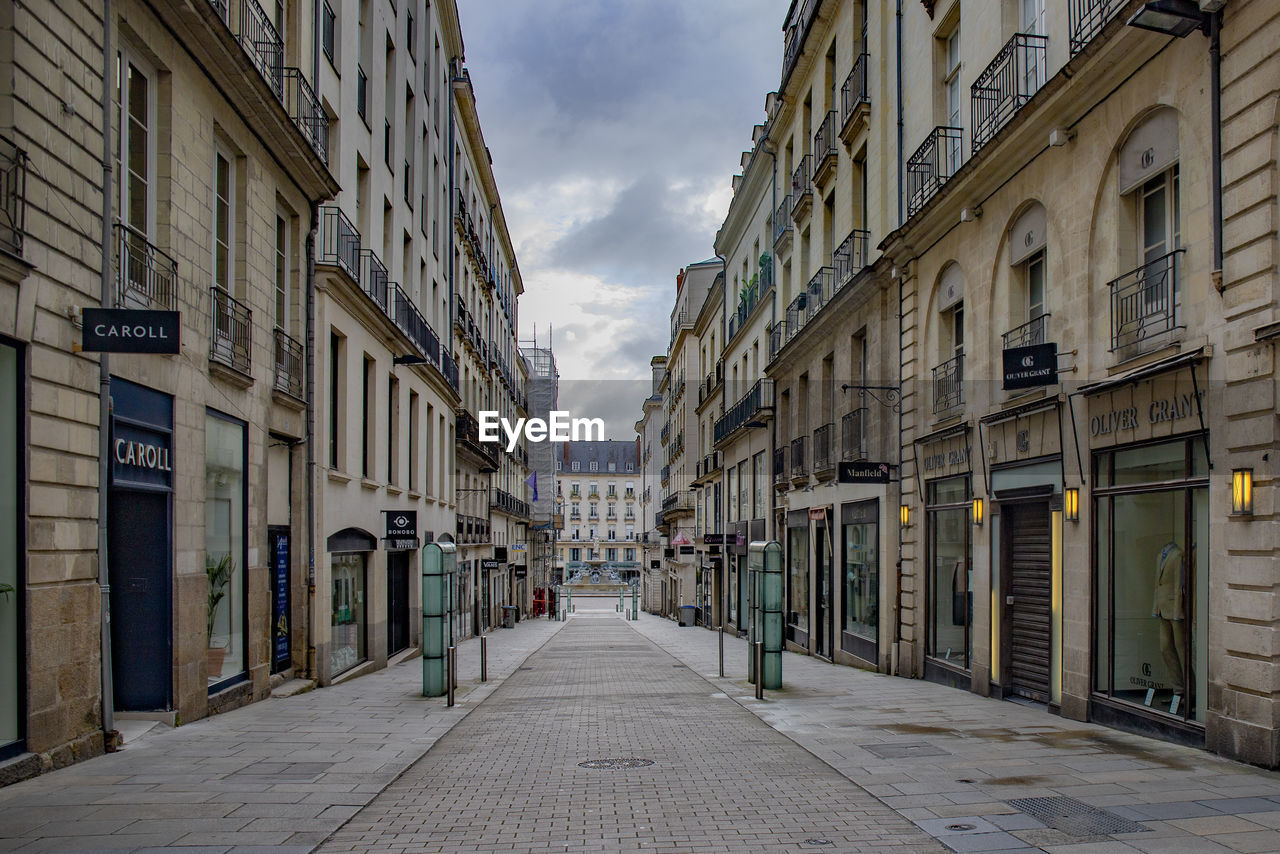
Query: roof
x,y
621,452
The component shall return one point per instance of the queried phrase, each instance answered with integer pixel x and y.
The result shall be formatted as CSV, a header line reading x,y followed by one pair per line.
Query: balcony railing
x,y
1032,332
932,164
799,461
304,108
948,385
13,195
824,458
854,91
745,412
819,291
412,323
782,219
1144,306
780,465
777,338
850,256
682,500
260,40
666,474
801,182
449,367
145,276
1086,18
374,279
853,435
288,364
231,331
824,146
339,242
1006,84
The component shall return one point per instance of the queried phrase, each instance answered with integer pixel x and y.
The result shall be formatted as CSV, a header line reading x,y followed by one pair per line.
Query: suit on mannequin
x,y
1168,607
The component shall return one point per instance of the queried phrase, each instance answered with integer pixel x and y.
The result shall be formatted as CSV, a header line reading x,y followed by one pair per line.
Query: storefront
x,y
399,565
140,549
797,612
948,492
12,661
860,569
1150,505
351,551
225,520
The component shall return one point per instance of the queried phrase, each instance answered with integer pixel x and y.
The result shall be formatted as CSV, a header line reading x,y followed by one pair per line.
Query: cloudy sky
x,y
615,127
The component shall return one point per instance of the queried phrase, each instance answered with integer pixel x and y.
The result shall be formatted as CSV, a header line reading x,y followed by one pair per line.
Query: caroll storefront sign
x,y
123,330
140,456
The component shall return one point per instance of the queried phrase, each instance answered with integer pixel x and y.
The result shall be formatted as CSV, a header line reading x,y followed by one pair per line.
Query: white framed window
x,y
594,466
283,290
954,95
223,208
135,144
1033,275
955,329
1159,213
576,466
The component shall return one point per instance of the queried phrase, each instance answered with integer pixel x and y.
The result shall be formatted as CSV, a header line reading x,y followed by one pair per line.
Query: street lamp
x,y
1177,18
411,359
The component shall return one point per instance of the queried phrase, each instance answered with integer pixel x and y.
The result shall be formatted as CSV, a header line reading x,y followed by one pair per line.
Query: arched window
x,y
1027,257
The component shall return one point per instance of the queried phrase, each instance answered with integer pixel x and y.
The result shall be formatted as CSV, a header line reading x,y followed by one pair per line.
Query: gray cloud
x,y
616,401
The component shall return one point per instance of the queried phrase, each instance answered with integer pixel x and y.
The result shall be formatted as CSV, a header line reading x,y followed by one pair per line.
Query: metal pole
x,y
453,663
759,657
107,686
484,658
724,597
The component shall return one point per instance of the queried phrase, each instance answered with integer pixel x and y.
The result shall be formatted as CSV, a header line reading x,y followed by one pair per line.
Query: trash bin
x,y
688,615
508,616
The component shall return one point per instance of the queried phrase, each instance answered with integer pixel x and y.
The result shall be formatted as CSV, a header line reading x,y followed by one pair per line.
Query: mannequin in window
x,y
1168,608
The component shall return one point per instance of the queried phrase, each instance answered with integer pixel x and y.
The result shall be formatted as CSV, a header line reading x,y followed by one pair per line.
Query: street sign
x,y
1030,367
125,330
863,473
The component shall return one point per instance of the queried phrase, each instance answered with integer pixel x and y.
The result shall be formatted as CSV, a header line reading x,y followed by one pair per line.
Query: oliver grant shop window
x,y
224,545
949,571
1151,594
860,617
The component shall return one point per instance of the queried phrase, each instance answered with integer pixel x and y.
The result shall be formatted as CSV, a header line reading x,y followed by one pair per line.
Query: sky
x,y
615,128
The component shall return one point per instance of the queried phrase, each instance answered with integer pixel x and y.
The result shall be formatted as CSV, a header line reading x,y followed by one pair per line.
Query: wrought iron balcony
x,y
304,108
777,338
13,195
468,435
782,220
799,460
850,256
796,314
145,276
413,324
948,385
1086,18
678,501
854,100
780,466
232,330
853,435
747,412
1034,331
1144,306
1006,84
932,164
339,242
374,279
449,367
824,458
824,148
819,291
801,188
666,474
288,364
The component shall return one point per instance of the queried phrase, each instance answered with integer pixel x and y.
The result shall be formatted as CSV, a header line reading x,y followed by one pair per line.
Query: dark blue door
x,y
397,601
138,549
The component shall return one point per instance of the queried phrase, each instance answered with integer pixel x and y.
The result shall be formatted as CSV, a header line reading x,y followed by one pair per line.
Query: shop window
x,y
861,606
224,546
12,663
798,581
347,644
950,570
1151,591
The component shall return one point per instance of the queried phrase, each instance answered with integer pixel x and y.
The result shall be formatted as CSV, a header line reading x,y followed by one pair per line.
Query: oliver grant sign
x,y
123,330
1152,409
1031,366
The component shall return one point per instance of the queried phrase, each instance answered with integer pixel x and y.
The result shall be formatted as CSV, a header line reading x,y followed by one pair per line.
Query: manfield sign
x,y
126,330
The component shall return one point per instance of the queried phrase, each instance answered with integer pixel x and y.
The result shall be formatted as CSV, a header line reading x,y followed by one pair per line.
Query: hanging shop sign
x,y
864,472
1031,366
401,529
126,330
713,539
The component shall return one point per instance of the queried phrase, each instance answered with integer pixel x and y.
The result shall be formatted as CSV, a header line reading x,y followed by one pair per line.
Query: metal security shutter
x,y
1028,605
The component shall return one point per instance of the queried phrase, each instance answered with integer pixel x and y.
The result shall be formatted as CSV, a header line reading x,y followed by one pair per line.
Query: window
x,y
282,272
367,417
1033,278
611,554
411,40
415,482
393,428
223,206
224,544
1159,215
629,554
575,554
337,401
955,329
347,623
798,580
861,602
135,152
575,466
952,97
949,570
1033,24
328,24
595,466
613,466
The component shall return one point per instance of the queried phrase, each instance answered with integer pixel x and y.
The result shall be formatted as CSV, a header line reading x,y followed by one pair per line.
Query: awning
x,y
1142,373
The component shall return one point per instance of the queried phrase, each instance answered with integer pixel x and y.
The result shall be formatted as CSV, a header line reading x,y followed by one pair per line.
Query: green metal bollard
x,y
635,605
438,561
772,674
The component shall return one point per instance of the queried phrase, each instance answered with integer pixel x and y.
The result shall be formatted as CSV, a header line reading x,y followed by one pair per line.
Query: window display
x,y
798,583
1152,579
224,524
347,646
950,571
861,570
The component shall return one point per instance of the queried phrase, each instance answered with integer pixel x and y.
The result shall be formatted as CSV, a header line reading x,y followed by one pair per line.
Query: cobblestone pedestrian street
x,y
714,777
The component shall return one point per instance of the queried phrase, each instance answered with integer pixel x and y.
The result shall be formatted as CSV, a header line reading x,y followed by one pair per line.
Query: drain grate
x,y
616,764
1076,817
526,668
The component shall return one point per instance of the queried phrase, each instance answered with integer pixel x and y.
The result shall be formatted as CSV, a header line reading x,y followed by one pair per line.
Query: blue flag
x,y
532,480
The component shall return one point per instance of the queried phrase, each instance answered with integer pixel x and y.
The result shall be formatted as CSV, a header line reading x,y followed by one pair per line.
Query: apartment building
x,y
1021,426
708,332
678,435
600,482
543,392
648,431
188,455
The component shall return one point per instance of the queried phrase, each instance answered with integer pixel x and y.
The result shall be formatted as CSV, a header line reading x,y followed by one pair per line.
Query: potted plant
x,y
219,572
5,590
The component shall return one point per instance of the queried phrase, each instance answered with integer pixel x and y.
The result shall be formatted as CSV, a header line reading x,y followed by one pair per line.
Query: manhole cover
x,y
1076,817
818,842
616,763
